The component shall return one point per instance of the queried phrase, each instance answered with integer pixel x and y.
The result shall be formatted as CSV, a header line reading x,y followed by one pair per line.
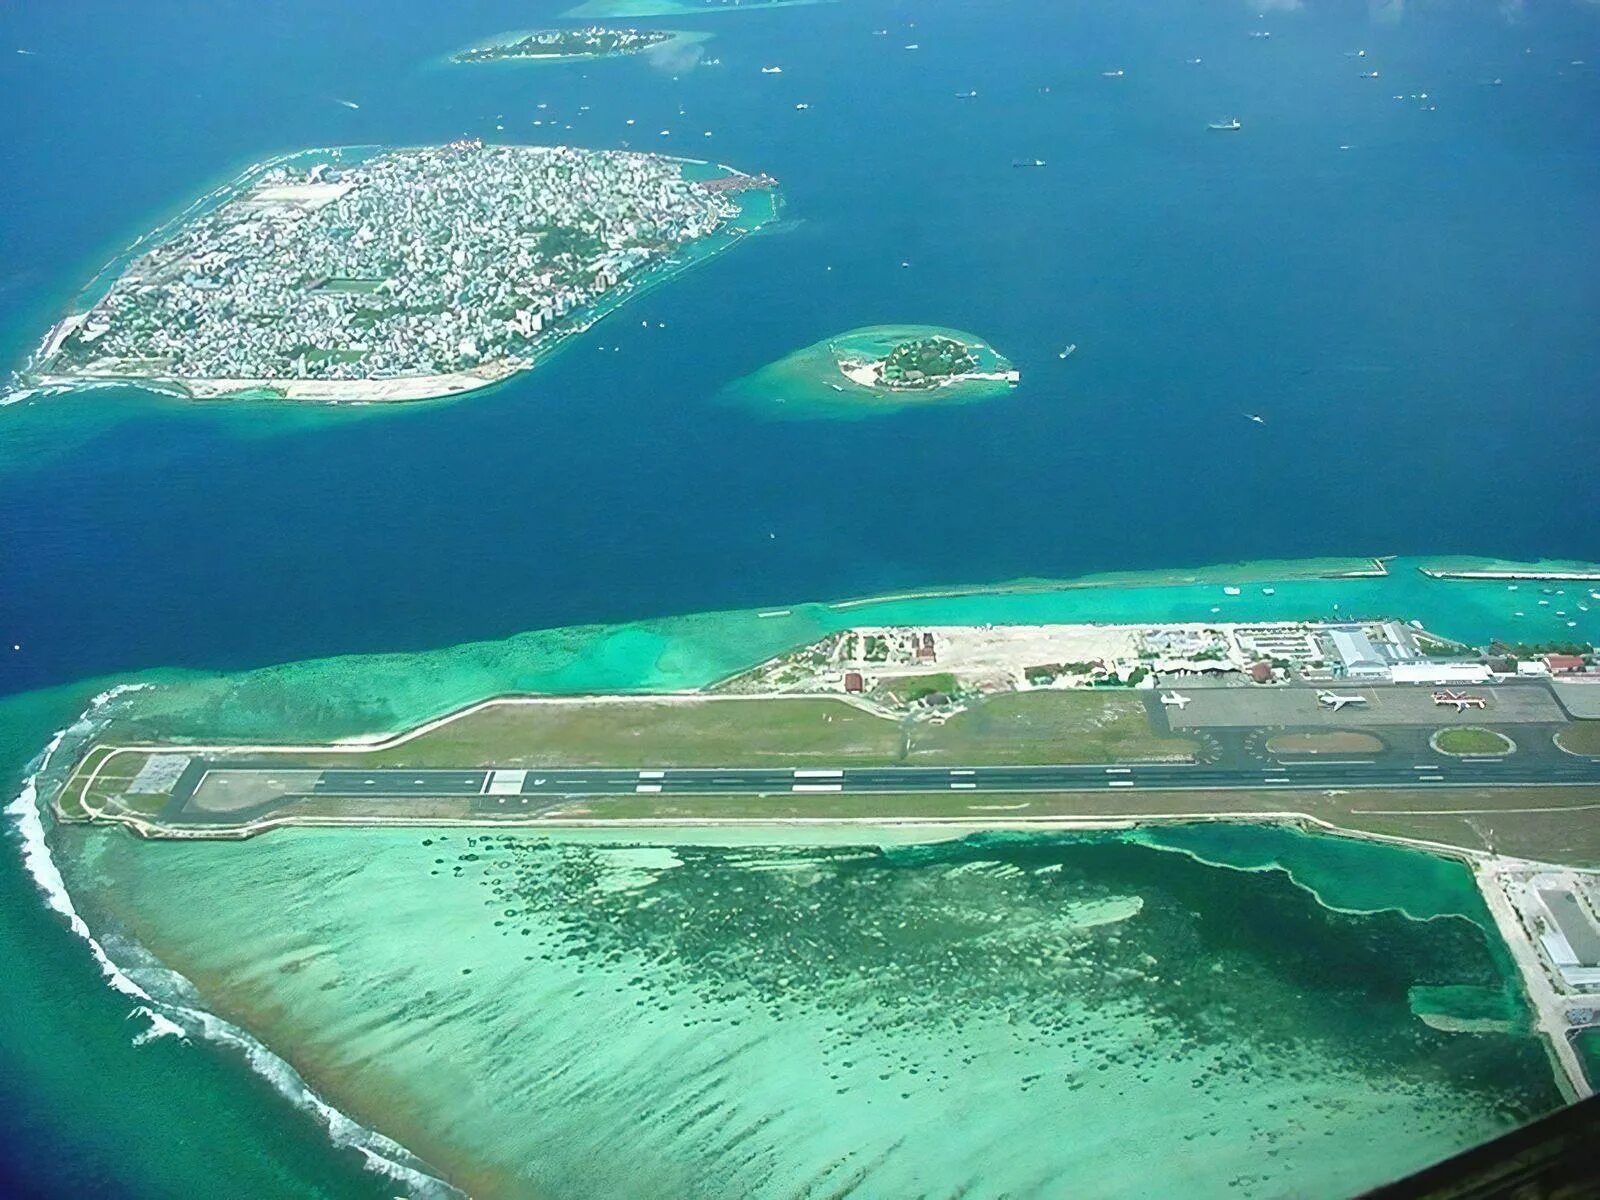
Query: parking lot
x,y
1386,704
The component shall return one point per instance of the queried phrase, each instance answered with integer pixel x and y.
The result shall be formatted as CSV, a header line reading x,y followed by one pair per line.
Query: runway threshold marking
x,y
957,784
648,787
1120,782
652,774
813,773
1119,770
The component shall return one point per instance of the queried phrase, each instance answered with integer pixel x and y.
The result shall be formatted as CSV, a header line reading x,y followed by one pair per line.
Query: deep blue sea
x,y
1416,317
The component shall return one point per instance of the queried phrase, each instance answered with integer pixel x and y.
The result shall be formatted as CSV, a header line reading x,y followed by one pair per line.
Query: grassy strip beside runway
x,y
1581,737
1023,728
1047,727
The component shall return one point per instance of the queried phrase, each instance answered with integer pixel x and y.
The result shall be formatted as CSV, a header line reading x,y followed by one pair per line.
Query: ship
x,y
1027,162
1230,123
1069,351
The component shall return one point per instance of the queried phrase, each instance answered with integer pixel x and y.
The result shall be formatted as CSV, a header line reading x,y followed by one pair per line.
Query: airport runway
x,y
508,786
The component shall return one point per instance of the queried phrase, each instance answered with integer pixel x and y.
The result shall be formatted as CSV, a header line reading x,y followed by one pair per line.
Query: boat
x,y
1027,162
1230,123
772,70
1117,74
967,95
1069,351
1230,591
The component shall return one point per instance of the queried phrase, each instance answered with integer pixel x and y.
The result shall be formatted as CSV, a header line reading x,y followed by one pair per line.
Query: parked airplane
x,y
1461,700
1176,700
1336,701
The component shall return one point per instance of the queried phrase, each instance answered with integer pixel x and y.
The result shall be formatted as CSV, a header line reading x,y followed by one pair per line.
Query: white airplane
x,y
1461,700
1176,700
1336,701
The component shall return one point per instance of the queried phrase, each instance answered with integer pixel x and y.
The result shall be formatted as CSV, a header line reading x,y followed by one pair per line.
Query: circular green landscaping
x,y
1338,741
1471,739
1580,737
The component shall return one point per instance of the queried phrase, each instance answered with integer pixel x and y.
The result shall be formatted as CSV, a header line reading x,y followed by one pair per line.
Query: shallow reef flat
x,y
758,1020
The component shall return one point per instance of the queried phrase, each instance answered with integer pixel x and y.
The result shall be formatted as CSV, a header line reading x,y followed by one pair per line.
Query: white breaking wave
x,y
381,1154
160,1026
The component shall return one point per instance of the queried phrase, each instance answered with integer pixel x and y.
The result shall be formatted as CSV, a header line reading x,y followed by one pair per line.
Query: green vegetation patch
x,y
1580,737
913,688
1472,740
924,361
1339,741
1047,727
1025,727
647,733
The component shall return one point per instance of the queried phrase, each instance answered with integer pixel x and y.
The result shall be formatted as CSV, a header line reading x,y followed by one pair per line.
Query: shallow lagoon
x,y
1020,1014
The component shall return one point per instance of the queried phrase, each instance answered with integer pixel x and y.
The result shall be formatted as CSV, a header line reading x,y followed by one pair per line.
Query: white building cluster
x,y
414,262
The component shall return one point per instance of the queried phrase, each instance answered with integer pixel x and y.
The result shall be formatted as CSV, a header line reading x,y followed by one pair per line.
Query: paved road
x,y
1429,771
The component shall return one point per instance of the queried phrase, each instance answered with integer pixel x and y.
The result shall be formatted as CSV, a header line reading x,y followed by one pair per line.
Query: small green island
x,y
542,45
878,369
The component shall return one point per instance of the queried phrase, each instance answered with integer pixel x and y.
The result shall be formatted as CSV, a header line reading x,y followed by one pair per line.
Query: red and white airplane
x,y
1461,700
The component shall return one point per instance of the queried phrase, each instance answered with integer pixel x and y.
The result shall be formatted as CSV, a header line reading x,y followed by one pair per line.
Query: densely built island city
x,y
394,275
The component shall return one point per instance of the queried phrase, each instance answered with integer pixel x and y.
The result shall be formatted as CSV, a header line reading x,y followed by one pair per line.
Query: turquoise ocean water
x,y
1414,317
329,947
